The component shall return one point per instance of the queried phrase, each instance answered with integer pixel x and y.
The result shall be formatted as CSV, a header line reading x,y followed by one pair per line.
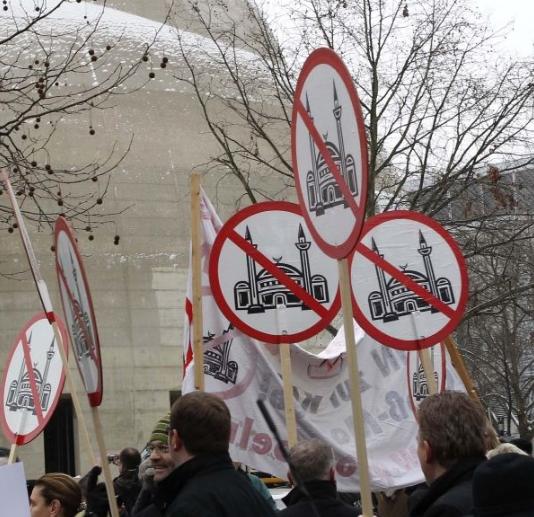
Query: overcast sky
x,y
520,13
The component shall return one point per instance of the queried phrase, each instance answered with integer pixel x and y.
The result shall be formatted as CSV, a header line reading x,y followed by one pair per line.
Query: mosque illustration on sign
x,y
81,325
394,299
322,188
217,362
263,291
20,394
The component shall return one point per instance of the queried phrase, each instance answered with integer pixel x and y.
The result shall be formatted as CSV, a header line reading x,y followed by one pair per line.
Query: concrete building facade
x,y
138,286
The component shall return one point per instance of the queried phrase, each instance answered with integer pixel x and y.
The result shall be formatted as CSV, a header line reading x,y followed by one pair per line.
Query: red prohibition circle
x,y
326,56
22,439
454,319
222,237
62,226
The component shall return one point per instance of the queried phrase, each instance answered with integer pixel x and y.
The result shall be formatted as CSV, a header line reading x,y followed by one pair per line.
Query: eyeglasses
x,y
158,447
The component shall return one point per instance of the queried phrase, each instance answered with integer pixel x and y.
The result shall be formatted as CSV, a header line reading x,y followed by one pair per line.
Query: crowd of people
x,y
189,472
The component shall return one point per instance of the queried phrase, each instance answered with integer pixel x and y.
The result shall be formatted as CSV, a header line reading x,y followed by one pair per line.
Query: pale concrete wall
x,y
138,286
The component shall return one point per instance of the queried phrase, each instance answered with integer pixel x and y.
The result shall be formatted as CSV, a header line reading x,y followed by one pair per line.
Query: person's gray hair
x,y
312,459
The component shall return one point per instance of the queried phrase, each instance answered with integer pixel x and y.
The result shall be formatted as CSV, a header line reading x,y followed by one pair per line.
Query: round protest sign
x,y
78,310
329,153
409,281
33,380
268,276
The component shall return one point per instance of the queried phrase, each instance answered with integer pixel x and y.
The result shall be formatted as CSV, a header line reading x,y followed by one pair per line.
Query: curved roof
x,y
416,276
285,268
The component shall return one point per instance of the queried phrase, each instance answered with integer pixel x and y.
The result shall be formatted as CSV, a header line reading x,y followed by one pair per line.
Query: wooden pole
x,y
424,357
110,490
74,394
459,365
355,389
289,403
196,259
428,368
12,452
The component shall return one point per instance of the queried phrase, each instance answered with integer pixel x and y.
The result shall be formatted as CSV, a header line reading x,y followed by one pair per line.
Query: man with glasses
x,y
157,467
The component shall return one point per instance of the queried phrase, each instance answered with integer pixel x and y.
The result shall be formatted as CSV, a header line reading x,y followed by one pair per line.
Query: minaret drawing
x,y
322,188
82,329
425,251
316,202
253,278
303,246
389,314
341,144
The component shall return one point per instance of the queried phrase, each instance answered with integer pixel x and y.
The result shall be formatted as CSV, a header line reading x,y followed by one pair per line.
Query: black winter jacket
x,y
209,486
324,497
450,495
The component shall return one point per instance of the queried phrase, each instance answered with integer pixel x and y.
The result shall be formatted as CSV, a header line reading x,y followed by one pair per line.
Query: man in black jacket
x,y
450,447
314,463
205,482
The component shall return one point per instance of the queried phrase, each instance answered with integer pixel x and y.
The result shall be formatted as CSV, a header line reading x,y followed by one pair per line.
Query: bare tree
x,y
449,121
58,63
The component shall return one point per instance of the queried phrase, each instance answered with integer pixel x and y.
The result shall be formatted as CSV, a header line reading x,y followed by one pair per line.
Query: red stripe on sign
x,y
31,377
263,261
308,122
405,280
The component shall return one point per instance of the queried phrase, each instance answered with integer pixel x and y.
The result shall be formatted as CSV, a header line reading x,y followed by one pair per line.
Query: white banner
x,y
241,371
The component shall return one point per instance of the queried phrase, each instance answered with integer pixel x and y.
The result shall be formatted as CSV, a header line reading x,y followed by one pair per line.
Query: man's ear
x,y
174,440
290,478
428,454
332,474
55,508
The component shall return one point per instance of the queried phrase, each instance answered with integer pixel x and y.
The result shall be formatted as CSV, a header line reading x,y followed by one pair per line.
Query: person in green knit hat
x,y
156,468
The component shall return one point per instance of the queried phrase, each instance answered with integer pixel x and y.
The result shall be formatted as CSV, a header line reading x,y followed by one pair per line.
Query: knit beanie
x,y
161,430
504,487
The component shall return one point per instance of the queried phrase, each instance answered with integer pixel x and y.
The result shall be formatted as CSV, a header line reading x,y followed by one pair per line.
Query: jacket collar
x,y
168,488
318,489
460,471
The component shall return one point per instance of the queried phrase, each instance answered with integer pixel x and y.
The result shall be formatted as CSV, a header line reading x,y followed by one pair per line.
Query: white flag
x,y
240,370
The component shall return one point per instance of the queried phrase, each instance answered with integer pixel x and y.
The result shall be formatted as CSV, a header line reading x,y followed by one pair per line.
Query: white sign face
x,y
409,281
13,491
33,381
329,153
78,310
269,277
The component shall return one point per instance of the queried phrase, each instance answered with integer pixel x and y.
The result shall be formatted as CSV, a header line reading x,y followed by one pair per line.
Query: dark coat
x,y
450,495
324,497
127,487
145,505
209,486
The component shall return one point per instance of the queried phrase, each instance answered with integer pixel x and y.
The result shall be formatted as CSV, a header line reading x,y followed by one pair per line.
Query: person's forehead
x,y
157,442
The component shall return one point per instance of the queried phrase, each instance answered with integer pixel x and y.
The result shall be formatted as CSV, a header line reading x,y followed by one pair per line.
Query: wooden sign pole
x,y
459,365
110,490
47,307
289,403
424,357
355,390
428,368
196,259
74,394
